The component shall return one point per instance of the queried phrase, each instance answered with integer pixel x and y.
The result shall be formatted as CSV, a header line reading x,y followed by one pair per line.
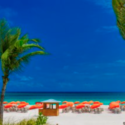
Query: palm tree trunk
x,y
5,80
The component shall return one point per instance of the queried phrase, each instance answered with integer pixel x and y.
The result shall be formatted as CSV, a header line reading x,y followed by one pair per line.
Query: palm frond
x,y
13,48
119,9
4,28
26,58
35,40
29,46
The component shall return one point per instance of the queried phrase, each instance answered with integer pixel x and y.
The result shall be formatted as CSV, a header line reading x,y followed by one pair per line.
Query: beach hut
x,y
50,108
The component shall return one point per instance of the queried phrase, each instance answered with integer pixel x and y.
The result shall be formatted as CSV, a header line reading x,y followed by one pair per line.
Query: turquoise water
x,y
31,98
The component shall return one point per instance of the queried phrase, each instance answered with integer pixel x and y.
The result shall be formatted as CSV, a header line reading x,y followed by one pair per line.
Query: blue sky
x,y
87,51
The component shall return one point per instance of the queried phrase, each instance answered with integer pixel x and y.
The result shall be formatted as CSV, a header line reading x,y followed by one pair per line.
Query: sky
x,y
87,50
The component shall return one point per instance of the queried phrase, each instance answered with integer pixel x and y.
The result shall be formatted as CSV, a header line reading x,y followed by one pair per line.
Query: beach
x,y
105,118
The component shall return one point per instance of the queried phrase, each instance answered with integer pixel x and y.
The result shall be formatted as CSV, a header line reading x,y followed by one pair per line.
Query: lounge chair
x,y
122,107
73,109
116,110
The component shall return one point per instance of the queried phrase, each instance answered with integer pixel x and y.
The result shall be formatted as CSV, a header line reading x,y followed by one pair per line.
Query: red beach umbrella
x,y
12,102
123,102
39,106
101,103
26,103
17,102
85,102
64,102
21,105
5,102
63,106
23,102
118,101
77,102
91,102
70,104
95,106
80,106
8,106
38,103
96,102
114,105
33,107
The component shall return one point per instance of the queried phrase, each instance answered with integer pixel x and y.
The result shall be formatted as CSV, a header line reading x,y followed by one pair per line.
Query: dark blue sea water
x,y
31,98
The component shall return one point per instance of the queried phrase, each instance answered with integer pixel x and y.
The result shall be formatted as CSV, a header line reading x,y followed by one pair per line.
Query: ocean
x,y
31,98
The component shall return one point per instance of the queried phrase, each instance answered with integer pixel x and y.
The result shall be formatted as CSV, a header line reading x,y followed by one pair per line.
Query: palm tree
x,y
13,53
119,9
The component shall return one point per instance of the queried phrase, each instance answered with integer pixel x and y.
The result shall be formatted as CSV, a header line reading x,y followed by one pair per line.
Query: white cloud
x,y
105,4
120,61
108,29
24,78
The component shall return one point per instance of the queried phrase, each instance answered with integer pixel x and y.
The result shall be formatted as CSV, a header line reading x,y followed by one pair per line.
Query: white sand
x,y
105,118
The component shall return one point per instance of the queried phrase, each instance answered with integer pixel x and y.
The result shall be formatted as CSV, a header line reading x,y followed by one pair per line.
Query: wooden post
x,y
57,106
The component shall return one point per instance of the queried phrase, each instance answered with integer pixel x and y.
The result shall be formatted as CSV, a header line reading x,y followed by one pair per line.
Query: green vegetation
x,y
14,52
119,9
41,120
24,122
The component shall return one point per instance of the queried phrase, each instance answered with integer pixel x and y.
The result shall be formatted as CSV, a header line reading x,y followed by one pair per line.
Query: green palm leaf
x,y
13,46
29,46
119,9
26,57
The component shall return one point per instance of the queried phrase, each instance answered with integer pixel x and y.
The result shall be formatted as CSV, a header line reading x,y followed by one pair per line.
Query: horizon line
x,y
62,92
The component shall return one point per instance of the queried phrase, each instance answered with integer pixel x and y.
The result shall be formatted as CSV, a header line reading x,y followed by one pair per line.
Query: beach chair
x,y
63,110
86,109
8,107
24,109
78,110
122,107
97,110
115,107
83,110
73,109
116,110
63,107
89,110
66,110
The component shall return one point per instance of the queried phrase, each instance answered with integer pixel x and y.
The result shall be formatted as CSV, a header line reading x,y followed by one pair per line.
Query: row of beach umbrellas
x,y
79,105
